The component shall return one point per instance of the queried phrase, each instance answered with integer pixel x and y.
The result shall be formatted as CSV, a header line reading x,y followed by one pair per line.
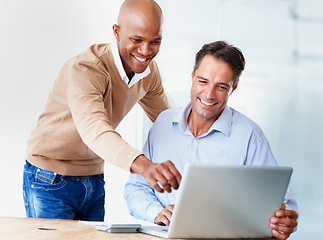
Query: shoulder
x,y
153,66
169,113
88,62
91,57
244,124
163,126
167,117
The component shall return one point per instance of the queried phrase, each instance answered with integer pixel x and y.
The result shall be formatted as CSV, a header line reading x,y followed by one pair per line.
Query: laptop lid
x,y
228,201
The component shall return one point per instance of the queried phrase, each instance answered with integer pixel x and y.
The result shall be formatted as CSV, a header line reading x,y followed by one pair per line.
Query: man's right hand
x,y
164,217
165,173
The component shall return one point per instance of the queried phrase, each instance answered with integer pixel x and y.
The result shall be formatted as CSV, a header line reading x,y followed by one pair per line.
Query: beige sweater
x,y
76,131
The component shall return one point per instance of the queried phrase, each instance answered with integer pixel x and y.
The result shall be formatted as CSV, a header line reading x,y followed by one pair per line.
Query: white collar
x,y
117,59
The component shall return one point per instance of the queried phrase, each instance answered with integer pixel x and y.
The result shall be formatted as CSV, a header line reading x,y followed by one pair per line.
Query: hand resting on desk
x,y
164,217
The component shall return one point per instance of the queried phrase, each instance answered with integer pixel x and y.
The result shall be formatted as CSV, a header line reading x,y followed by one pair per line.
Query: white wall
x,y
281,88
37,37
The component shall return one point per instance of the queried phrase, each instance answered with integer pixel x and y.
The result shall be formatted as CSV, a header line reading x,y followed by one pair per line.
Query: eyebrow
x,y
137,36
203,78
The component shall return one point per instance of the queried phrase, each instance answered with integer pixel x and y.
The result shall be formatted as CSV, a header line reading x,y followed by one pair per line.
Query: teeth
x,y
206,103
140,59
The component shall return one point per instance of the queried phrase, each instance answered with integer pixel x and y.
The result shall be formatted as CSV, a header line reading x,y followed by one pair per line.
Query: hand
x,y
163,218
283,223
165,173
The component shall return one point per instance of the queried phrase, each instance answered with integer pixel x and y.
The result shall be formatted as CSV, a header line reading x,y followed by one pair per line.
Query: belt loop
x,y
27,163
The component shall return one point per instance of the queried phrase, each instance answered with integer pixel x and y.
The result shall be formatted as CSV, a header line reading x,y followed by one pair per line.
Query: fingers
x,y
164,217
283,223
280,235
165,174
175,178
286,213
171,174
283,206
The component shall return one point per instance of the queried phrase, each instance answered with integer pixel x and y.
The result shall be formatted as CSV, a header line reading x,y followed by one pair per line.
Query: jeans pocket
x,y
48,180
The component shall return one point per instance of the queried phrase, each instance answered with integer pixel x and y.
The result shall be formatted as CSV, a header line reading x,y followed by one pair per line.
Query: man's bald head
x,y
138,34
148,10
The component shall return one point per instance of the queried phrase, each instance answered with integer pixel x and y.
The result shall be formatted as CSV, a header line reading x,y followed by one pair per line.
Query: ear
x,y
116,31
193,74
235,87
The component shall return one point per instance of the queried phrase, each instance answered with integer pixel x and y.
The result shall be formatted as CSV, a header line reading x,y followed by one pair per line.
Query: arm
x,y
90,117
153,103
141,199
143,203
89,90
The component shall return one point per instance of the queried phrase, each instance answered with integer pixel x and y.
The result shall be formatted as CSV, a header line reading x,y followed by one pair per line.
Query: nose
x,y
210,92
144,49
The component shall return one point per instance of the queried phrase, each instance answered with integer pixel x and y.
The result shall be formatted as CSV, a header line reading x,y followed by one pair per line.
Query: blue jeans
x,y
50,195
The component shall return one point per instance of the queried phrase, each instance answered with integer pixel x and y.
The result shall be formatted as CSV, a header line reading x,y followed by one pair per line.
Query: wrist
x,y
140,165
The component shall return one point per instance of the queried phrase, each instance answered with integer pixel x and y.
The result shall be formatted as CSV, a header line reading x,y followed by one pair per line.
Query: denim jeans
x,y
50,195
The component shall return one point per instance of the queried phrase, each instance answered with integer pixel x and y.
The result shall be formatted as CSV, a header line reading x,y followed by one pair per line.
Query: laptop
x,y
225,201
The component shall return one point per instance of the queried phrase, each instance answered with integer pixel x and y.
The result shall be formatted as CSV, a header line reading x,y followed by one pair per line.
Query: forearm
x,y
141,199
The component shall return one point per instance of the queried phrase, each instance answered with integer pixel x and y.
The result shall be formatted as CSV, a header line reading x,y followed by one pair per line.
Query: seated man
x,y
206,131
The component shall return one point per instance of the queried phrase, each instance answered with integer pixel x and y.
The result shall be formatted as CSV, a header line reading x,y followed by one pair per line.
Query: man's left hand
x,y
283,223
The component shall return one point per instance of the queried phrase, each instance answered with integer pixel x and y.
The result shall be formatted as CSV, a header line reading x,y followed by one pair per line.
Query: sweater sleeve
x,y
87,88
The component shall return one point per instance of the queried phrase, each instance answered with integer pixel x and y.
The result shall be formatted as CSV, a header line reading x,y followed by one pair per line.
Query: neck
x,y
130,76
197,125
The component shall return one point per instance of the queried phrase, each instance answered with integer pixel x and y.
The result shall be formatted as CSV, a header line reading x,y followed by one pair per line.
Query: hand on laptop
x,y
163,218
283,223
165,173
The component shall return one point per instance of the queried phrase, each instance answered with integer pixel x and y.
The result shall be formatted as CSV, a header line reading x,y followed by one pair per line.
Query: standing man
x,y
206,131
63,174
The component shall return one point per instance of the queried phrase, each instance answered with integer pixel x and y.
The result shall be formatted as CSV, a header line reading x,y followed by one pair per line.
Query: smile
x,y
140,59
207,103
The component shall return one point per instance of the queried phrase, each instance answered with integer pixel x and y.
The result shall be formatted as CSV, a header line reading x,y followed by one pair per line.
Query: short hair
x,y
225,52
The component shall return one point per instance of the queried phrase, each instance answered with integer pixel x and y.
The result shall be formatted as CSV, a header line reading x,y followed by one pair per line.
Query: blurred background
x,y
281,88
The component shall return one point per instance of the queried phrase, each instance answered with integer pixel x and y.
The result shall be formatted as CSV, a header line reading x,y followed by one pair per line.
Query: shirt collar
x,y
136,78
222,124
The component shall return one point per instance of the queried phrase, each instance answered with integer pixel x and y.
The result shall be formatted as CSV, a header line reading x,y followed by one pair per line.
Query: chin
x,y
139,70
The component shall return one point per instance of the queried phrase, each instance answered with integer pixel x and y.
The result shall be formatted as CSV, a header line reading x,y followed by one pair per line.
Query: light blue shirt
x,y
232,139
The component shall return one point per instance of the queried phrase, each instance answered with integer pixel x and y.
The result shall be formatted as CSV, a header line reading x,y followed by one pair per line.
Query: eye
x,y
223,88
136,40
202,81
157,41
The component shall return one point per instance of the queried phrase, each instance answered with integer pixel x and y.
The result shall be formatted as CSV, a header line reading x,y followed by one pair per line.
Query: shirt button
x,y
195,141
